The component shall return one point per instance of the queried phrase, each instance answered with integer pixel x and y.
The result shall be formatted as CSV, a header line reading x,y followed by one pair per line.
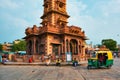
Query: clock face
x,y
46,6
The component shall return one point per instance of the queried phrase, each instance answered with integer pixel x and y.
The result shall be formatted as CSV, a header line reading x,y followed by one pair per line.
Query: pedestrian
x,y
30,60
42,57
58,62
48,61
114,54
52,57
75,62
119,55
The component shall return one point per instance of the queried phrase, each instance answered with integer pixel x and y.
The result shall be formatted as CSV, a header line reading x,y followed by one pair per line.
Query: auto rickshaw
x,y
100,59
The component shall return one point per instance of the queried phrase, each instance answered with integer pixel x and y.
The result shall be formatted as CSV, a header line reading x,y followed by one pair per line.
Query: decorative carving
x,y
75,30
46,7
45,22
35,29
28,31
61,6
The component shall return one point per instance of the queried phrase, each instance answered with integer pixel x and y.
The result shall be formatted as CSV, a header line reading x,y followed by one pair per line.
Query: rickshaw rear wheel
x,y
89,67
109,66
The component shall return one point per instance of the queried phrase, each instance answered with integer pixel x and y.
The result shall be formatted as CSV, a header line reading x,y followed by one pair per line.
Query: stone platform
x,y
43,63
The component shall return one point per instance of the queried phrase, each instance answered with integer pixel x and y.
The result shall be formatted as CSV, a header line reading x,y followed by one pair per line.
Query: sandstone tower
x,y
54,36
55,13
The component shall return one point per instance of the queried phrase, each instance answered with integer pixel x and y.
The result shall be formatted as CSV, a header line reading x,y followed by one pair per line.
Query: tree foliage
x,y
21,46
0,47
110,43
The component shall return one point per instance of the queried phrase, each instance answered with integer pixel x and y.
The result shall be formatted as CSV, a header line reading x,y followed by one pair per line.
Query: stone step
x,y
43,63
19,60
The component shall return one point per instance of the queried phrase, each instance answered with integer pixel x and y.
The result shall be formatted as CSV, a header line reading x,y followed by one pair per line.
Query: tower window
x,y
45,0
46,6
60,5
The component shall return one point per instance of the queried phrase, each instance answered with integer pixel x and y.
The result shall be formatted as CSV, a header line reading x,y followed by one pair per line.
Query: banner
x,y
68,57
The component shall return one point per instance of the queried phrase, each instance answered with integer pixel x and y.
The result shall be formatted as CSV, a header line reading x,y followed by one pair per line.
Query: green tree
x,y
21,46
0,47
110,43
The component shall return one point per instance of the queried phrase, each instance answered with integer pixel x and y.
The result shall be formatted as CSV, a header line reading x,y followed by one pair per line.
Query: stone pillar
x,y
65,49
65,45
62,47
68,45
78,47
83,51
34,47
27,48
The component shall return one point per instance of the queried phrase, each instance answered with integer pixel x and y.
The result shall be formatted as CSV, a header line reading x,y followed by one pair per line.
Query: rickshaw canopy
x,y
109,54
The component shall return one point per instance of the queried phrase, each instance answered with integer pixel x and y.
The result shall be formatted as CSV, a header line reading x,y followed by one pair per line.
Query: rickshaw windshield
x,y
93,54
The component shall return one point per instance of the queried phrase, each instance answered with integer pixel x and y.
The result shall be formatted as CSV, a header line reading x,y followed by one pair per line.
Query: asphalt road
x,y
59,73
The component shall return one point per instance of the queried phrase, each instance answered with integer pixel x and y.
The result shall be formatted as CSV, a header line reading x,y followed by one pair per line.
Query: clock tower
x,y
54,37
55,13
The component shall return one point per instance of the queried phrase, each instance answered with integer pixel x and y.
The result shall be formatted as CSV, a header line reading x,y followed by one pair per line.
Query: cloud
x,y
99,20
107,19
85,21
8,4
13,20
29,13
12,27
16,16
110,7
74,9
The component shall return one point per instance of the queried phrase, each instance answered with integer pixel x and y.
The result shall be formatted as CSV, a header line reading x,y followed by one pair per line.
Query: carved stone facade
x,y
55,36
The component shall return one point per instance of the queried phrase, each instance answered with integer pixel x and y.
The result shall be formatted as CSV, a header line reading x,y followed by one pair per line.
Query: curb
x,y
39,64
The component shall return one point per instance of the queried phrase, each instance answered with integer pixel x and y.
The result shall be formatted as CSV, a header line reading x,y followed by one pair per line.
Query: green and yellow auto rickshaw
x,y
100,59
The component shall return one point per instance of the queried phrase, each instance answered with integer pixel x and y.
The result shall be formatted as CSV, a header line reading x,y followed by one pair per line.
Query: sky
x,y
100,19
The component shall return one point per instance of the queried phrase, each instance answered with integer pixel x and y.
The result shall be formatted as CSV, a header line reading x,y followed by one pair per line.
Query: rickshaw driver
x,y
105,58
100,59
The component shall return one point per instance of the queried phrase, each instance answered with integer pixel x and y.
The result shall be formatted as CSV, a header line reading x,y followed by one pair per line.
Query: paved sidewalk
x,y
39,73
59,73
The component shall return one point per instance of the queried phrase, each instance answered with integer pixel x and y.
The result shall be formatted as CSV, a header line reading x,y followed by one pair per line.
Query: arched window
x,y
74,46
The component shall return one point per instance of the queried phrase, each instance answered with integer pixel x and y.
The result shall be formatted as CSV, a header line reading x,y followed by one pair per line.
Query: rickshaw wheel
x,y
88,67
109,66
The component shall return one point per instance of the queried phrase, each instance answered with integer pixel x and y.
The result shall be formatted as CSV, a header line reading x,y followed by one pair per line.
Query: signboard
x,y
68,57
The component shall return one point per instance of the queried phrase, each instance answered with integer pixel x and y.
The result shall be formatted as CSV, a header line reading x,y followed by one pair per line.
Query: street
x,y
59,73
